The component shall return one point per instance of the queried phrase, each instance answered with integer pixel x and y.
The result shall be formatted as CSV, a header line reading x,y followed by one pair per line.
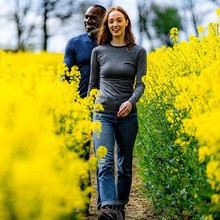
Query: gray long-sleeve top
x,y
117,73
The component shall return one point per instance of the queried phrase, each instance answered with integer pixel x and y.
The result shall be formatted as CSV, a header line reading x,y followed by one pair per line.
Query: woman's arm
x,y
141,71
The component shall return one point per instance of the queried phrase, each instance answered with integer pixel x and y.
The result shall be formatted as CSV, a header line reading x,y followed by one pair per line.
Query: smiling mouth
x,y
90,27
115,30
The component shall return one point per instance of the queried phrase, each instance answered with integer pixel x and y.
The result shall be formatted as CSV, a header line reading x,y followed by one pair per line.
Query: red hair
x,y
105,36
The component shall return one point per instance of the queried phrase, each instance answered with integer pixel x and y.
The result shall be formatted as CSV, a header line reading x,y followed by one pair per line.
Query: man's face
x,y
92,19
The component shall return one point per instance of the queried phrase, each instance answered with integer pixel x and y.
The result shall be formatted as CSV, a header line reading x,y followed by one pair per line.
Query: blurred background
x,y
46,25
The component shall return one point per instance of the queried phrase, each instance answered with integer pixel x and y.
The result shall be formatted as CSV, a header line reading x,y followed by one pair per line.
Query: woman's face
x,y
117,23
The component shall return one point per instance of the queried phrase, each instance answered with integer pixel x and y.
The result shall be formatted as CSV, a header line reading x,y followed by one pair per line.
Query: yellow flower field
x,y
179,115
43,123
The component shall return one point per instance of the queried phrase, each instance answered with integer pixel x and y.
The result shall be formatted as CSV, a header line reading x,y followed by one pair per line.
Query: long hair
x,y
105,36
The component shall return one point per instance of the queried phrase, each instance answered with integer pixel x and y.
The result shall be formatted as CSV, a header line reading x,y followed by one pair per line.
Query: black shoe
x,y
109,212
120,215
121,209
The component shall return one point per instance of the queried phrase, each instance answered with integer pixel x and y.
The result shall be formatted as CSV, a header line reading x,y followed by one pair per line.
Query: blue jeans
x,y
119,132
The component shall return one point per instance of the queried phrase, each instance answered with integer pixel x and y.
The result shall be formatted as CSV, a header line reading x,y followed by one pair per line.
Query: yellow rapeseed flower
x,y
203,151
216,199
44,124
209,217
174,34
101,152
201,29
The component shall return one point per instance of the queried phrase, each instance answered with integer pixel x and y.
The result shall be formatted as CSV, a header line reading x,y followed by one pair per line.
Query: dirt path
x,y
138,208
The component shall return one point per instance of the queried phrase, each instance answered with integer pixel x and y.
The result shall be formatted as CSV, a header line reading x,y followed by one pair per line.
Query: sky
x,y
128,5
58,41
131,7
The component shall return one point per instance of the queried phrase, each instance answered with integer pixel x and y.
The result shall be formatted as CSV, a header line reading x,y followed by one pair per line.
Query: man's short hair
x,y
102,9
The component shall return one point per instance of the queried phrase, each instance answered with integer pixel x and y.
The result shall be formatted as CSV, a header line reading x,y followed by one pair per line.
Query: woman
x,y
117,66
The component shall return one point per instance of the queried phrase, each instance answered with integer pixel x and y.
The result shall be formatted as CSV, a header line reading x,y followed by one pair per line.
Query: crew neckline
x,y
118,46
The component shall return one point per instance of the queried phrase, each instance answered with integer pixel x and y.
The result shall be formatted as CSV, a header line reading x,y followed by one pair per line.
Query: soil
x,y
139,206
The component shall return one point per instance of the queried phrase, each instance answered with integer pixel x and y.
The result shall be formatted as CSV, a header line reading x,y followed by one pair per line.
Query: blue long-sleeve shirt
x,y
78,53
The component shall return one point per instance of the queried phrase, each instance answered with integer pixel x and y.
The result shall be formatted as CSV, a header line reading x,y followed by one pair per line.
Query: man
x,y
78,49
78,53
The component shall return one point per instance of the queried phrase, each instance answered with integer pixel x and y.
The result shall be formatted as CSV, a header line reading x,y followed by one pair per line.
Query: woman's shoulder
x,y
138,50
100,48
138,47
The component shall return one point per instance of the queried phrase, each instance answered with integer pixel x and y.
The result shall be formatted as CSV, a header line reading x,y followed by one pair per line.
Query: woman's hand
x,y
124,109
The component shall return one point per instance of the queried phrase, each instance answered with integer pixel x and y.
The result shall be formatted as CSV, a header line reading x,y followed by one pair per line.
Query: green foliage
x,y
178,141
164,20
173,176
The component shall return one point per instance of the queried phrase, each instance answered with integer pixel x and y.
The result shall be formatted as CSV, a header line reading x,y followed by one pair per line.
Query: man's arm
x,y
69,58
